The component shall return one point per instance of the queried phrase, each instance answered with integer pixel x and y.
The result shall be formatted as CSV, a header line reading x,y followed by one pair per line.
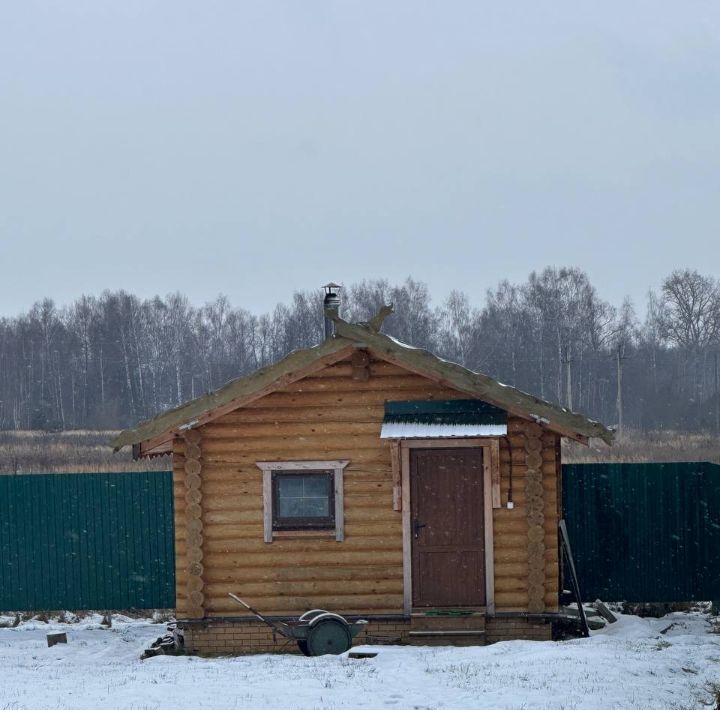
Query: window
x,y
303,497
303,500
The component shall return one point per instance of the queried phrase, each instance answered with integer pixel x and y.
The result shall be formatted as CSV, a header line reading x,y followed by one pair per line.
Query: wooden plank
x,y
406,530
488,496
339,501
494,450
301,465
396,466
267,506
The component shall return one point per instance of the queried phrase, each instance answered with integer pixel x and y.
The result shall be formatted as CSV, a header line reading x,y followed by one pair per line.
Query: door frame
x,y
486,445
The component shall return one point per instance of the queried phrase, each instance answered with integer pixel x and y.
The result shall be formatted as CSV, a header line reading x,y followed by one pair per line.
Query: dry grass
x,y
645,447
88,451
68,452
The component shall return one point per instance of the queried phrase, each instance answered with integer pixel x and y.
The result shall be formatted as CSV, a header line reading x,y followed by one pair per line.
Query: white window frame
x,y
267,468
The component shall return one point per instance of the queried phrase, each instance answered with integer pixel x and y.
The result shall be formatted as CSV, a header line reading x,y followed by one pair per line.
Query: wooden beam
x,y
396,465
360,366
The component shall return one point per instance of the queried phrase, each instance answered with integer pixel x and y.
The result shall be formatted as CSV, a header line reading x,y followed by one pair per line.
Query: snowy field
x,y
628,665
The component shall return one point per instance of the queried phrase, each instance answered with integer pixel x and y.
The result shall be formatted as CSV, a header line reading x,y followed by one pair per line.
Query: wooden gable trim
x,y
163,442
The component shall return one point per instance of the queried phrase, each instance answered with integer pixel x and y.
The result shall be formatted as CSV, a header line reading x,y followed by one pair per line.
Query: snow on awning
x,y
438,419
439,431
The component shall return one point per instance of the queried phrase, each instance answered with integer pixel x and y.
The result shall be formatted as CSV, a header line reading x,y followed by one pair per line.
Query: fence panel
x,y
645,532
87,541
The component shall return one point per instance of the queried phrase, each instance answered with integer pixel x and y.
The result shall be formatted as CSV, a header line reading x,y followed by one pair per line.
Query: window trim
x,y
336,466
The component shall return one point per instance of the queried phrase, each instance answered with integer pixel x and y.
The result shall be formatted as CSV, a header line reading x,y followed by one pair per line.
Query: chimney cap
x,y
331,285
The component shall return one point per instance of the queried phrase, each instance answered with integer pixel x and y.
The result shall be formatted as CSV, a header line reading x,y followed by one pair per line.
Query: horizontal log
x,y
247,489
246,457
219,510
378,368
311,573
330,399
302,547
234,432
510,569
301,415
280,554
306,444
511,601
253,531
247,587
378,384
510,541
511,584
503,553
345,603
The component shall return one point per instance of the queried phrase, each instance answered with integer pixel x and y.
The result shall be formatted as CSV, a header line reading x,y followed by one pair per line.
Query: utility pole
x,y
568,382
717,396
619,402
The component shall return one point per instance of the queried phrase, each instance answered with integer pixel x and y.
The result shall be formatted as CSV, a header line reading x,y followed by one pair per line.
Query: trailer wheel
x,y
302,645
328,636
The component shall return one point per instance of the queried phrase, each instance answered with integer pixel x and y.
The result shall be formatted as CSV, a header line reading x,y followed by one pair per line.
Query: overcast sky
x,y
254,148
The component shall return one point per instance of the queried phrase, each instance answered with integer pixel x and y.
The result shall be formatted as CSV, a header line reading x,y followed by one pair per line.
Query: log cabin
x,y
372,479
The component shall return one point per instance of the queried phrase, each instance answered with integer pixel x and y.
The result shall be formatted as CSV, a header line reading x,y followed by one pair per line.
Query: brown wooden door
x,y
447,527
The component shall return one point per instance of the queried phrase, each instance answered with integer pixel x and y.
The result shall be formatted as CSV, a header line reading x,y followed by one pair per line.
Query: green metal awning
x,y
442,418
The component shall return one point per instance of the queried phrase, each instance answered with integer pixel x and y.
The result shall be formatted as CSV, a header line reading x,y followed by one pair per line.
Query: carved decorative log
x,y
535,518
194,526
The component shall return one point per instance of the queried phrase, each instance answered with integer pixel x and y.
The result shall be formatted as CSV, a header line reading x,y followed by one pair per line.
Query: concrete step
x,y
441,630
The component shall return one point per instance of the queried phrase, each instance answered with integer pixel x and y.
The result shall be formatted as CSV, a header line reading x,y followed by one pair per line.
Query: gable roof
x,y
155,435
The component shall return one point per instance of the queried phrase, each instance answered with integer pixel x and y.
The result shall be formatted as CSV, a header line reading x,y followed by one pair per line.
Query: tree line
x,y
106,362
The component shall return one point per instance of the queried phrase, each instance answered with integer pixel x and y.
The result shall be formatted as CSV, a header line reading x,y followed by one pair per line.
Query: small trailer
x,y
317,632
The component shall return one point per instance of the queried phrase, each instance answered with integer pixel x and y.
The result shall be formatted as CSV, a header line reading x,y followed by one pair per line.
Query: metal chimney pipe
x,y
331,301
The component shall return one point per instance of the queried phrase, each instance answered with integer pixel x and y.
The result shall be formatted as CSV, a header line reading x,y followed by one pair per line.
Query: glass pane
x,y
315,485
291,486
291,508
315,507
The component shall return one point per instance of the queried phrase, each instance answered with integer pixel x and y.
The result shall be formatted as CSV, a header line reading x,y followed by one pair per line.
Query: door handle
x,y
417,526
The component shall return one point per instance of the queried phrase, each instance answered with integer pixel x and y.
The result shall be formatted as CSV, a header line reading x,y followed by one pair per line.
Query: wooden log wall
x,y
526,564
329,416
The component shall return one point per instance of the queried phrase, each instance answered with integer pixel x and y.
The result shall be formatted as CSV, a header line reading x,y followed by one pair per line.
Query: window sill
x,y
303,534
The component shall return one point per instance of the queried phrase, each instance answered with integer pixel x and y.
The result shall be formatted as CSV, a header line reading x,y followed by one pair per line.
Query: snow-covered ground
x,y
627,665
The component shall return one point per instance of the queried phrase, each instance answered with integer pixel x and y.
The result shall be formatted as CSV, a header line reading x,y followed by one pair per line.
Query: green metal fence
x,y
645,532
87,541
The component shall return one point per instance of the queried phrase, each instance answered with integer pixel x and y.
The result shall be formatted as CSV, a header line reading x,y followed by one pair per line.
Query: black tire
x,y
302,645
329,636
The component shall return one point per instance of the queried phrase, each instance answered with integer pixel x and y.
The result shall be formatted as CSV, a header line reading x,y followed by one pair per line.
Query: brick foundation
x,y
233,637
499,628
